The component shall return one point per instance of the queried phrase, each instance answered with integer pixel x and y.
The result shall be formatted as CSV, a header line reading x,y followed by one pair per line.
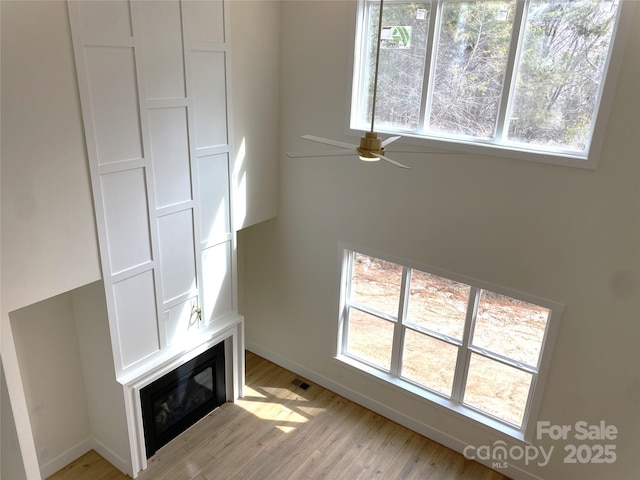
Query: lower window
x,y
475,348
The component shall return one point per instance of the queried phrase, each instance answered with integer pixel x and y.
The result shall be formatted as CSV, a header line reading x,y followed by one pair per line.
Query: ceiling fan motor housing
x,y
371,143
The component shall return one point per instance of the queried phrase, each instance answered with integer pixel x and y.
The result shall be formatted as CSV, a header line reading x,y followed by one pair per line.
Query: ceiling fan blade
x,y
326,141
389,140
328,153
426,152
393,162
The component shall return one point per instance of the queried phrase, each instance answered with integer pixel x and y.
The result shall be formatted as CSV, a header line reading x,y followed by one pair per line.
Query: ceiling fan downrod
x,y
370,143
377,64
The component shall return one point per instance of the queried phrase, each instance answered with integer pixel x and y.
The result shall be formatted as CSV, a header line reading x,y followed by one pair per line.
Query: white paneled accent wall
x,y
126,219
153,79
171,171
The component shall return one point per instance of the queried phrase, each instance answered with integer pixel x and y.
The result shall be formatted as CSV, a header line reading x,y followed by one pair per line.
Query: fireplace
x,y
180,398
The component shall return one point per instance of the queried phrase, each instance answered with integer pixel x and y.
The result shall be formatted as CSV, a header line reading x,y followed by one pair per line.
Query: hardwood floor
x,y
89,466
280,431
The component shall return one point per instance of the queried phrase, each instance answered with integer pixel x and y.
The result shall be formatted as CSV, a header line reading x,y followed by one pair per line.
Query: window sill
x,y
463,146
464,413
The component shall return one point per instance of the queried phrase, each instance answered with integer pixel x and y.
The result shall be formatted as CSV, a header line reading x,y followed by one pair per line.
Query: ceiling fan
x,y
371,148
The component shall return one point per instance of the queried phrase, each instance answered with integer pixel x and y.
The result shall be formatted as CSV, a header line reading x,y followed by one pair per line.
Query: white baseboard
x,y
113,458
75,452
64,459
382,409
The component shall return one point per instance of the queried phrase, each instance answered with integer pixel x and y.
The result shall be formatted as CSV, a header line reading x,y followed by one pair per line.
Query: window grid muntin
x,y
510,74
422,385
464,354
373,311
502,359
371,360
526,409
345,307
560,155
400,331
345,338
349,304
465,349
425,329
432,333
432,44
434,14
432,80
523,365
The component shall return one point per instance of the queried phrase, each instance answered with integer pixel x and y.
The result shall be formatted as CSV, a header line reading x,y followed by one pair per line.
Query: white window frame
x,y
454,402
465,145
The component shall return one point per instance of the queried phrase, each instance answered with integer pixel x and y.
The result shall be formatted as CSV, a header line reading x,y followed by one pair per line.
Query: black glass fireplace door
x,y
179,399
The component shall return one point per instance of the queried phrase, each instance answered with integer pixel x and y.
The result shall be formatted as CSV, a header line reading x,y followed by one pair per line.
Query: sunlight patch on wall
x,y
240,198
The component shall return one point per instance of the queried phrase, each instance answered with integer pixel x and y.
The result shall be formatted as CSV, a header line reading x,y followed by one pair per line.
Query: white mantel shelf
x,y
220,330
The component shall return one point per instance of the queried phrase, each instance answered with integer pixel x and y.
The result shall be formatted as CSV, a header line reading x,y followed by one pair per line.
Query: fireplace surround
x,y
177,400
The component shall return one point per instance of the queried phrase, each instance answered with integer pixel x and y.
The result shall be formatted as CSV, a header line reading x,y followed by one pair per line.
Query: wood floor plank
x,y
279,431
89,466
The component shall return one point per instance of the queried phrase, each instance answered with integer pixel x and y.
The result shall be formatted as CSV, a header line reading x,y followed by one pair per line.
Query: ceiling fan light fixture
x,y
368,144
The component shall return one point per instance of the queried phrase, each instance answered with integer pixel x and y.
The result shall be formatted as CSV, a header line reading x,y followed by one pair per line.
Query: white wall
x,y
255,62
566,234
50,365
48,235
49,242
104,395
11,466
66,365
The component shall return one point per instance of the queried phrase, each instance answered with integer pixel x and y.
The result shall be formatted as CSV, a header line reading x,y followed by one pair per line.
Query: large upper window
x,y
476,349
520,75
